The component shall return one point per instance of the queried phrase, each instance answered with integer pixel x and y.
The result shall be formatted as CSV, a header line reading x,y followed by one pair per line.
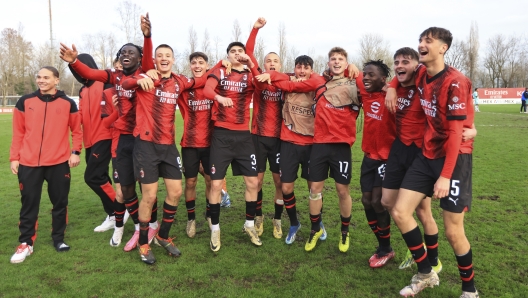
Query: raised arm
x,y
70,56
146,63
250,44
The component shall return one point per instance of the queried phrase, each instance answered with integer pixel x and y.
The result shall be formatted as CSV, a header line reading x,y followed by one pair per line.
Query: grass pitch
x,y
496,228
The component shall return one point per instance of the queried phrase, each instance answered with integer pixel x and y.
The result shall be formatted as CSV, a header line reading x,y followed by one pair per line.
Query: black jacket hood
x,y
90,62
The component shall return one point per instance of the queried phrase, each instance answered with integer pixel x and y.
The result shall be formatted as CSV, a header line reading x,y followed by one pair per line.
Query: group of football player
x,y
417,141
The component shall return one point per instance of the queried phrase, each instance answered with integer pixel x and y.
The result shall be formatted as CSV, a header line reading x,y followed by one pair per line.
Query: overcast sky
x,y
311,28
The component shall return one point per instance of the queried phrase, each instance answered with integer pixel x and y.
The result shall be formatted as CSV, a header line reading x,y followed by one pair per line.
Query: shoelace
x,y
21,248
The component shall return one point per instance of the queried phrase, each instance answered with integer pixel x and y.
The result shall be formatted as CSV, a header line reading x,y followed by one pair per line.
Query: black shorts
x,y
152,161
115,176
336,157
267,149
424,172
125,159
400,160
192,157
372,172
291,156
235,148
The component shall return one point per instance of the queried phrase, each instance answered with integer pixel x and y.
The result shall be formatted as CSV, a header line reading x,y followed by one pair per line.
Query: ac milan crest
x,y
116,176
213,170
141,173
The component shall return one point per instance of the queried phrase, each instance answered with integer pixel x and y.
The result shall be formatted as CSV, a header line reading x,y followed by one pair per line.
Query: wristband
x,y
76,152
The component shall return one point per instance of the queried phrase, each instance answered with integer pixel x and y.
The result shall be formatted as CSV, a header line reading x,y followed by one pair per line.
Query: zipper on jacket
x,y
43,128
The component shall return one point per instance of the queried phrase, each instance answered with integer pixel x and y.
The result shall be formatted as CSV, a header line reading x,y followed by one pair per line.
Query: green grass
x,y
496,228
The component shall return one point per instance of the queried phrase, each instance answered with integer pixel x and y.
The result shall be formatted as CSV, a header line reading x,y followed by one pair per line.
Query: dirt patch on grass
x,y
490,198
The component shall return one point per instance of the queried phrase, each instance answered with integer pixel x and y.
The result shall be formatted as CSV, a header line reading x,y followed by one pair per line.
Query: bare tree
x,y
472,50
260,54
320,64
237,31
206,44
216,42
495,59
283,46
193,40
102,47
456,56
129,13
374,47
15,58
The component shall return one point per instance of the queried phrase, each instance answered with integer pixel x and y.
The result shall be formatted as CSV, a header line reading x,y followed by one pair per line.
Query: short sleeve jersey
x,y
156,109
239,87
410,117
379,125
126,106
444,97
267,112
196,113
334,124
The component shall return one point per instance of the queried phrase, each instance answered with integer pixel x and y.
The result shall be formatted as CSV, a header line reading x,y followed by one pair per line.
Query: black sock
x,y
191,205
316,222
132,206
250,210
169,212
119,212
384,230
413,239
345,223
289,202
258,210
431,242
278,210
207,208
215,213
372,219
143,233
465,268
154,215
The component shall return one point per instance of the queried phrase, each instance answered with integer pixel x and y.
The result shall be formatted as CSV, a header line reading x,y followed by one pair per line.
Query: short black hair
x,y
53,70
304,60
198,54
140,50
236,44
476,89
439,33
385,70
166,46
407,52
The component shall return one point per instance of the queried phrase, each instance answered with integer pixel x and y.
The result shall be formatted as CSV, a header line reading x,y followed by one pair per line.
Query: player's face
x,y
198,67
233,54
117,65
404,68
272,62
164,60
129,58
430,49
373,79
302,71
46,81
337,64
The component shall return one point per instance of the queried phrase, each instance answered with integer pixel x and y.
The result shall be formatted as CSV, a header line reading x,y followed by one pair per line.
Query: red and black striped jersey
x,y
126,106
410,117
196,113
156,108
267,112
448,106
379,125
238,85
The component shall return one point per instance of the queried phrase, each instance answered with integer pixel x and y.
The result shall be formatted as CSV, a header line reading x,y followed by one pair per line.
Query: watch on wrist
x,y
76,152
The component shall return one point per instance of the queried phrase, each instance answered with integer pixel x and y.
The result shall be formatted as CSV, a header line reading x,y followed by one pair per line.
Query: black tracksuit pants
x,y
30,181
96,174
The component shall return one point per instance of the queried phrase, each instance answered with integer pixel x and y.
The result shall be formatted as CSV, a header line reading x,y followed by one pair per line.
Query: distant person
x,y
475,100
523,100
40,150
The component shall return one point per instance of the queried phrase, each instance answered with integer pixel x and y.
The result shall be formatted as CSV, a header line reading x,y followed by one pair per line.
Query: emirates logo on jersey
x,y
213,170
141,173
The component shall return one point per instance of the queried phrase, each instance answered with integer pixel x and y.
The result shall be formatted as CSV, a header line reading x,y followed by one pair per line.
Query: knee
x,y
190,183
387,203
366,200
216,185
252,184
343,194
